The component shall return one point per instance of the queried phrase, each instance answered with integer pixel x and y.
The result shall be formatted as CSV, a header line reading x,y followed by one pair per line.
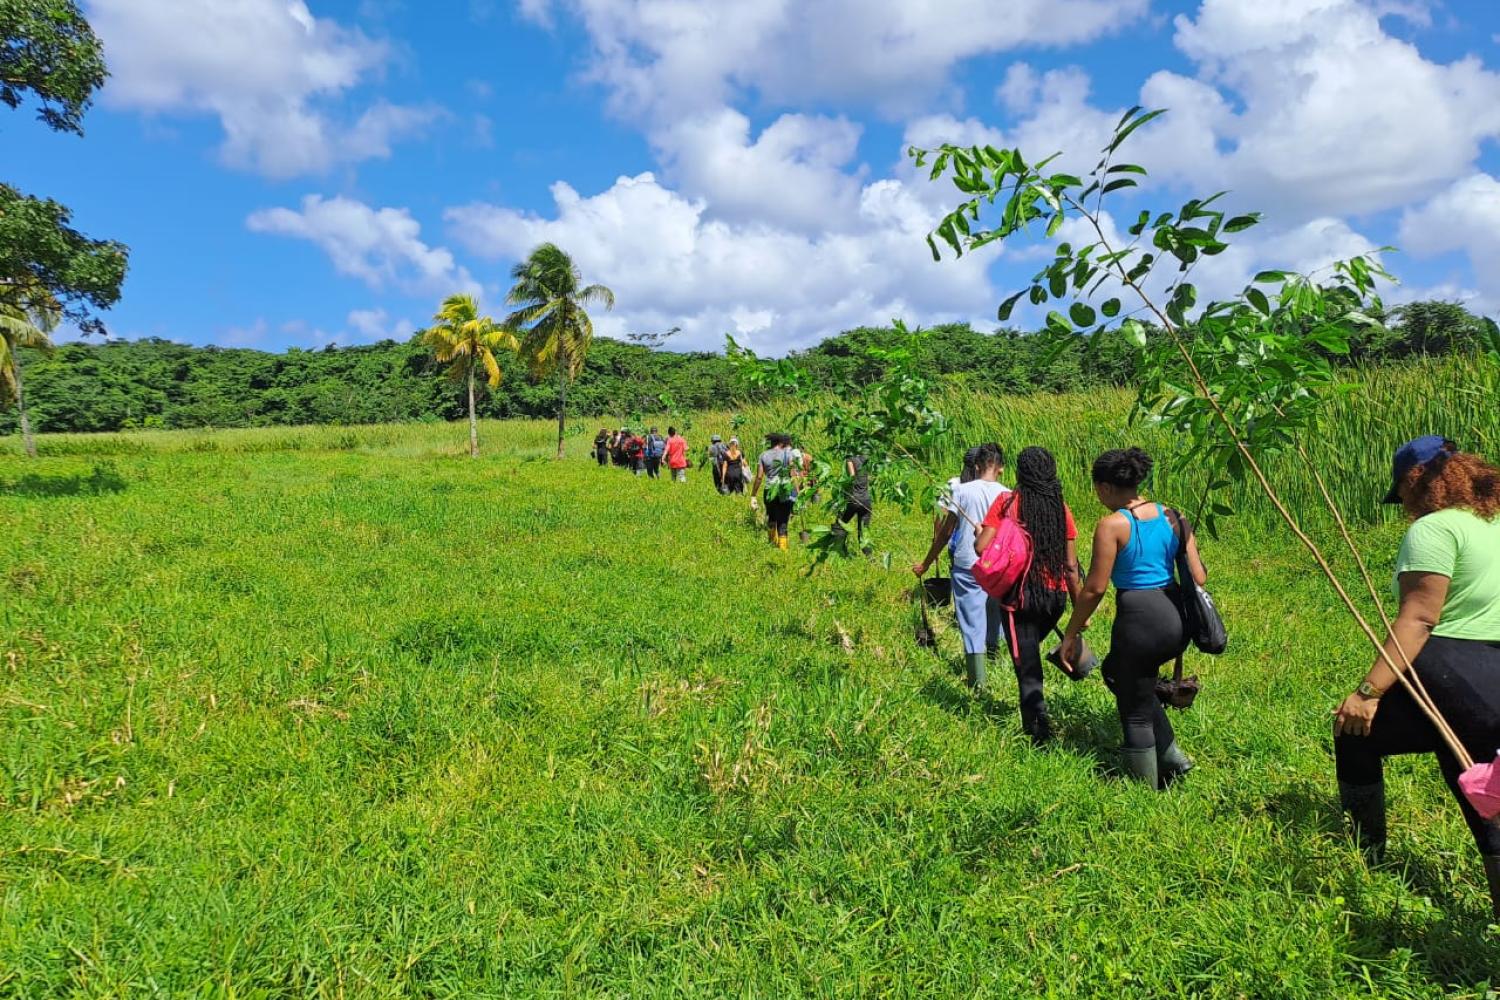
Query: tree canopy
x,y
49,53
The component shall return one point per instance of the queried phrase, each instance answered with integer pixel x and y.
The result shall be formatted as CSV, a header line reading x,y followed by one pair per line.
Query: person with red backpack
x,y
979,614
1039,526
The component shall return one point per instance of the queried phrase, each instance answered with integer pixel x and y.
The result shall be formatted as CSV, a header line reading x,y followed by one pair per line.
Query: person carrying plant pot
x,y
978,614
779,472
1051,582
1135,548
1448,627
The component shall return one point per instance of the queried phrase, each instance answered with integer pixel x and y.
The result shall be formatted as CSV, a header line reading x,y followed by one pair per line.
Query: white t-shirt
x,y
974,499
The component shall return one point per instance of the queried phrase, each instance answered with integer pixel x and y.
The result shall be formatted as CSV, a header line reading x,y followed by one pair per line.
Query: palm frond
x,y
492,367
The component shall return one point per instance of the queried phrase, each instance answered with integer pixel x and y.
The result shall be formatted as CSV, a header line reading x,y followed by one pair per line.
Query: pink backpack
x,y
1004,564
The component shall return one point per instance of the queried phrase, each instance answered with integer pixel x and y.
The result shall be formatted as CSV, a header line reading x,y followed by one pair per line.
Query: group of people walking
x,y
1448,624
1447,579
643,455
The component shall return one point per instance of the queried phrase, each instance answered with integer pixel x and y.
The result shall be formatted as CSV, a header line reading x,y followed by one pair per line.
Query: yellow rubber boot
x,y
781,542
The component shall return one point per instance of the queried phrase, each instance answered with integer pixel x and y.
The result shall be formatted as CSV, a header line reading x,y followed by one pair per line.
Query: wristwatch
x,y
1368,690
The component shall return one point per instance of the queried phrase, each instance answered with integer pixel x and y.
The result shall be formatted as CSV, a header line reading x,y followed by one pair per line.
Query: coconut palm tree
x,y
27,317
466,341
552,319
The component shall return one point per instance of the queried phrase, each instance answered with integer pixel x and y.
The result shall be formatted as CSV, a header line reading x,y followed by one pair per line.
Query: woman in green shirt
x,y
1448,578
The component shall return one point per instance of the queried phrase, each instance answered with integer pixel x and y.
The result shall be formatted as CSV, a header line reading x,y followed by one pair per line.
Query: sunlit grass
x,y
341,712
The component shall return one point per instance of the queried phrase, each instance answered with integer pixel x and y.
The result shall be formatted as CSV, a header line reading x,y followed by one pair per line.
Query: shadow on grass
x,y
1456,944
104,479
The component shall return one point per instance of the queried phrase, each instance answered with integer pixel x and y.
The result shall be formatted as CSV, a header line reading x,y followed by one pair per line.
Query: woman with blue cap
x,y
1448,628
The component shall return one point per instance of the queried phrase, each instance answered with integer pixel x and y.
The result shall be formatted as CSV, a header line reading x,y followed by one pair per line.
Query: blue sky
x,y
294,174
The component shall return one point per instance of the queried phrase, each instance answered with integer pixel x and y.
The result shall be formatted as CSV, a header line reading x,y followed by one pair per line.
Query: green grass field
x,y
342,713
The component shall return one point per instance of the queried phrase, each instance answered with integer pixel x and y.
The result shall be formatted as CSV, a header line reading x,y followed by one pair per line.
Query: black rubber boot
x,y
1172,764
1038,726
1365,807
1140,764
1492,872
977,676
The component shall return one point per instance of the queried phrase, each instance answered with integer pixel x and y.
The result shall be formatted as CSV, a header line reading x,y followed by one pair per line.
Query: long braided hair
x,y
1040,498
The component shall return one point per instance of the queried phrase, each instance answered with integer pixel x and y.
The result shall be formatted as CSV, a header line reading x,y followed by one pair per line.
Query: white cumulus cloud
x,y
671,264
382,247
268,69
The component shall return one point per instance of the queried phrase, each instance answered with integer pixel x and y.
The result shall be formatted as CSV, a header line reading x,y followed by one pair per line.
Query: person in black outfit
x,y
601,447
859,506
1053,580
733,467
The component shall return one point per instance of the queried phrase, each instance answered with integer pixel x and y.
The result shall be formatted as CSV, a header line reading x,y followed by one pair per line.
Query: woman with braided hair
x,y
1053,580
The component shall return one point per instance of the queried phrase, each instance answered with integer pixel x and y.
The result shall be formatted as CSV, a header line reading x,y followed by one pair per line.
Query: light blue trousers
x,y
979,614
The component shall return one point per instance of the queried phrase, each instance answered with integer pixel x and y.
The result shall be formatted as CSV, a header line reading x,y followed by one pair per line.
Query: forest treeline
x,y
121,385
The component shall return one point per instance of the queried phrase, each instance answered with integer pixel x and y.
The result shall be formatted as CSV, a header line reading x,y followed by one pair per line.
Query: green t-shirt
x,y
1465,548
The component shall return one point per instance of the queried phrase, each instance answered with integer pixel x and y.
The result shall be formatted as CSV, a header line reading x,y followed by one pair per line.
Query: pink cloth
x,y
1481,786
676,452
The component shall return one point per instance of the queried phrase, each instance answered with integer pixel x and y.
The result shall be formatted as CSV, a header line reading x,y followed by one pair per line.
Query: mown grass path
x,y
370,719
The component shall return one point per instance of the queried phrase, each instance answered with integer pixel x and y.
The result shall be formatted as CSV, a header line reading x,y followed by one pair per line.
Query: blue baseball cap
x,y
1412,454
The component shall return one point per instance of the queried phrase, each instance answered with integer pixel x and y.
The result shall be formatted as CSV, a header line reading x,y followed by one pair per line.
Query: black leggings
x,y
1463,678
1031,627
860,514
779,513
1148,634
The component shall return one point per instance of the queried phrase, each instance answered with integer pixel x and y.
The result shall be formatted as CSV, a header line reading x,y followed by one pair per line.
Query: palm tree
x,y
466,341
555,327
27,316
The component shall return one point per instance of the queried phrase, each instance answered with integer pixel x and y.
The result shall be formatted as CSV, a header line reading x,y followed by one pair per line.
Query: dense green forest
x,y
118,385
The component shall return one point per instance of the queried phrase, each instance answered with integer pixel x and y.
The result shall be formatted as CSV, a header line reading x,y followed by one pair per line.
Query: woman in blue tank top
x,y
1135,548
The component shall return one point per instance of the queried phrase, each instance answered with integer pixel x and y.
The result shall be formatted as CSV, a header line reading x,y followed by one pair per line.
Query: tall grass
x,y
306,714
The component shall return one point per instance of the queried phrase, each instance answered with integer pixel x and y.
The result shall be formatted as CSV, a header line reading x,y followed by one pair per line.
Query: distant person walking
x,y
858,506
1135,548
716,451
635,452
1037,505
656,448
1448,575
677,455
978,614
779,472
601,446
732,467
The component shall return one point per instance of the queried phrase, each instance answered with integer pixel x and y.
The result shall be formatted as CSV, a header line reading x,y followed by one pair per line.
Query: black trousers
x,y
1463,678
858,513
1148,634
718,478
602,455
653,467
779,513
1031,628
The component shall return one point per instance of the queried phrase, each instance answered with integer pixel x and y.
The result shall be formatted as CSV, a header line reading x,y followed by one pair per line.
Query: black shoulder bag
x,y
1201,619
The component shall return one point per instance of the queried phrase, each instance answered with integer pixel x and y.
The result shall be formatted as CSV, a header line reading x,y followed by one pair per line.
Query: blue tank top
x,y
1146,561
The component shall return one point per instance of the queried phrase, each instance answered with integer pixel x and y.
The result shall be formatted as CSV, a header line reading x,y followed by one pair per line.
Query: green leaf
x,y
1007,306
1241,222
1126,168
1081,314
1122,134
1110,308
1257,298
1270,277
1123,182
1135,330
1058,322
